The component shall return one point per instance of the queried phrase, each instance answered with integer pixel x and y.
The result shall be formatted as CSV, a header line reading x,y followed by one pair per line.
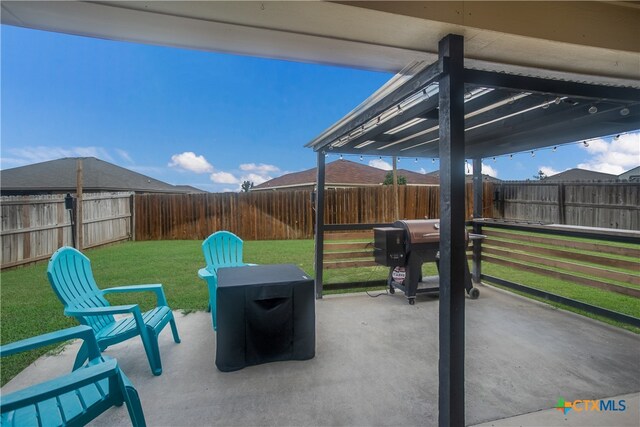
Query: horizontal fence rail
x,y
601,264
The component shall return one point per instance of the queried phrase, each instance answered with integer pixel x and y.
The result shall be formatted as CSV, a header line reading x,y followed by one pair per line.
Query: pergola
x,y
450,112
442,110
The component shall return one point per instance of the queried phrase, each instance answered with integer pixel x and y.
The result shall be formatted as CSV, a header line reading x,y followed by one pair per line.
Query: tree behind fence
x,y
276,215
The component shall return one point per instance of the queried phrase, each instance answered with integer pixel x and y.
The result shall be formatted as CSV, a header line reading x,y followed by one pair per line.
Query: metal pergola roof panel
x,y
504,114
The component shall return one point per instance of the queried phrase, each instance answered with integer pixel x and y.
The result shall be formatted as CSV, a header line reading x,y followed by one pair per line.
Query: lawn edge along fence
x,y
566,260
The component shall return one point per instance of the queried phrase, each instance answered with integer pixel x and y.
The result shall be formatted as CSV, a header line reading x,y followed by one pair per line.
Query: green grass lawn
x,y
29,307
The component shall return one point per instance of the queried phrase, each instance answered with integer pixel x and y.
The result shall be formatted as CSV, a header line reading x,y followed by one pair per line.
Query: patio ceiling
x,y
504,113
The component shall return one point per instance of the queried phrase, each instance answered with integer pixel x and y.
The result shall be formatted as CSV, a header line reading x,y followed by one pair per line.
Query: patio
x,y
376,364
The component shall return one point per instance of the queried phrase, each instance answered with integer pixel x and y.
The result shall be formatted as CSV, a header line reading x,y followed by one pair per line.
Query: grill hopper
x,y
404,248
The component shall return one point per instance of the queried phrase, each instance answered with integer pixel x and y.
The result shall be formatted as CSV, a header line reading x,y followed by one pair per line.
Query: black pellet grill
x,y
404,248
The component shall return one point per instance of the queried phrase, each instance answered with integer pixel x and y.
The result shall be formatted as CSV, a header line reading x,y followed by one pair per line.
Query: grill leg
x,y
414,272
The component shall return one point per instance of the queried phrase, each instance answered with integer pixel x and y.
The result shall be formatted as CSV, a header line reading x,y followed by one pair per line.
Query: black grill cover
x,y
265,313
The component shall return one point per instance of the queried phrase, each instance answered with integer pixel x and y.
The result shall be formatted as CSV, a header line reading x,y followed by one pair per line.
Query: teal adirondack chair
x,y
75,398
221,249
72,280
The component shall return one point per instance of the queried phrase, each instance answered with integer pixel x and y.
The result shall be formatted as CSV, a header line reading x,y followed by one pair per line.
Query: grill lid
x,y
420,230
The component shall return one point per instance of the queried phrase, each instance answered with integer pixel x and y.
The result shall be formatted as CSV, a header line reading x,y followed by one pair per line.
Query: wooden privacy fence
x,y
34,227
277,215
592,204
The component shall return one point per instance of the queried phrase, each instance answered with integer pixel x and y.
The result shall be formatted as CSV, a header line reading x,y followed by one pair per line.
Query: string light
x,y
593,109
624,111
583,143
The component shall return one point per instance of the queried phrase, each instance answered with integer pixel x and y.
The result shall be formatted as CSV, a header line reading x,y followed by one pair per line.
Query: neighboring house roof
x,y
56,176
469,178
631,175
189,189
577,174
343,173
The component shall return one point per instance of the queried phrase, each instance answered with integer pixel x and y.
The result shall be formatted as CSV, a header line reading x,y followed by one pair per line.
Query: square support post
x,y
477,213
451,401
319,230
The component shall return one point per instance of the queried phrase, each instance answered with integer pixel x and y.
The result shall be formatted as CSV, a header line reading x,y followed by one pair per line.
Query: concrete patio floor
x,y
377,364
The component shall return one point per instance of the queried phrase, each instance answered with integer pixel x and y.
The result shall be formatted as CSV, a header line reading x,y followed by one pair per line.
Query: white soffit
x,y
322,32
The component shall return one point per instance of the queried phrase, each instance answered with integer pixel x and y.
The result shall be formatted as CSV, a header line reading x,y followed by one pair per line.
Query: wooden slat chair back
x,y
71,277
73,399
223,249
77,289
220,249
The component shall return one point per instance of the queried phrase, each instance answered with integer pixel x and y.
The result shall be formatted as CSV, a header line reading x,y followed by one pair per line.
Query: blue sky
x,y
204,119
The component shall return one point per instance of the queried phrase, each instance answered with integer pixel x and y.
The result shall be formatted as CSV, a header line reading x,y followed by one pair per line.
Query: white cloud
x,y
224,178
380,164
486,170
615,156
125,156
423,171
260,169
548,170
255,178
191,162
229,190
37,154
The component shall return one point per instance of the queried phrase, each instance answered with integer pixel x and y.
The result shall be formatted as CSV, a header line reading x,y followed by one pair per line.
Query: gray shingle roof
x,y
60,176
577,174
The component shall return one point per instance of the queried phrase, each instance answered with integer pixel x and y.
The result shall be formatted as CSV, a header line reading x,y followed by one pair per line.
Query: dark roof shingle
x,y
577,174
60,176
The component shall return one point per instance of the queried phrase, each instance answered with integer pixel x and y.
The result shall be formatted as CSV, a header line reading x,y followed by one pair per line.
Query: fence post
x,y
561,208
132,222
79,235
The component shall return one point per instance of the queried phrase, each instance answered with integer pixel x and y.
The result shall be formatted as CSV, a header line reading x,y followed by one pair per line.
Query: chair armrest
x,y
102,311
157,288
58,386
205,274
77,332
